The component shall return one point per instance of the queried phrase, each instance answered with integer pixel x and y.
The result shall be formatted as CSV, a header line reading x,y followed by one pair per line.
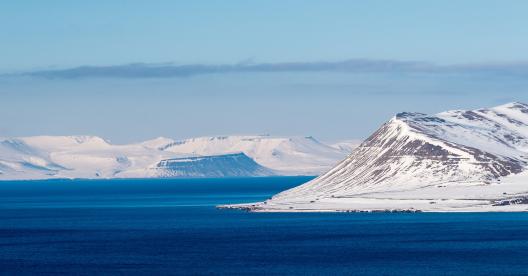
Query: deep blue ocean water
x,y
171,227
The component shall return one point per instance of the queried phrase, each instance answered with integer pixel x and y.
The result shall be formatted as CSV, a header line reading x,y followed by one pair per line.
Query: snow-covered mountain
x,y
41,157
227,165
453,161
289,155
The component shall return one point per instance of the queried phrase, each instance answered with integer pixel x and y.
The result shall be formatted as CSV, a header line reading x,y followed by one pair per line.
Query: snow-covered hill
x,y
227,165
453,161
41,157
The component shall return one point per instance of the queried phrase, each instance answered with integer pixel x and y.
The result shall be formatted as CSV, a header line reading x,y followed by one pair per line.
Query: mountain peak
x,y
517,105
511,105
406,115
157,143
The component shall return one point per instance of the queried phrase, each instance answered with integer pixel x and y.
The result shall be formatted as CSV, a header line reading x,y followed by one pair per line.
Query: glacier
x,y
456,161
92,157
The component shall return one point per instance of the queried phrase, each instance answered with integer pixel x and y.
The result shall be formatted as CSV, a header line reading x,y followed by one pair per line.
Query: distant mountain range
x,y
458,160
42,157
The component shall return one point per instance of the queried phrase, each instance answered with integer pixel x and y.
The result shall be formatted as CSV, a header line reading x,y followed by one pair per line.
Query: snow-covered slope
x,y
455,160
41,157
347,145
19,160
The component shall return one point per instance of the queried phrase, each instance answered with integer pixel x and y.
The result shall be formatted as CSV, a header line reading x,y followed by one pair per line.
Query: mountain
x,y
41,157
287,155
453,161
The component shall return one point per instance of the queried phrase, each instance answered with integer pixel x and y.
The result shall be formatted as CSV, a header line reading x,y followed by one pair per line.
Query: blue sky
x,y
420,56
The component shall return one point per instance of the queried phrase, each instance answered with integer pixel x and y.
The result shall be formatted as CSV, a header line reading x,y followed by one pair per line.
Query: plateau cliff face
x,y
228,165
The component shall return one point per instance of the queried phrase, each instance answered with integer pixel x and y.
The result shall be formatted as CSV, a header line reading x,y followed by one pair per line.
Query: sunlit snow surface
x,y
453,161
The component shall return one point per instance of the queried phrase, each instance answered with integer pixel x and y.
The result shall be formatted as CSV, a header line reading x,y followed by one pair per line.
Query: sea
x,y
171,227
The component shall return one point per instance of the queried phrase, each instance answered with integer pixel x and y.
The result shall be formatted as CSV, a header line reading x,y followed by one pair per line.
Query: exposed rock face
x,y
414,151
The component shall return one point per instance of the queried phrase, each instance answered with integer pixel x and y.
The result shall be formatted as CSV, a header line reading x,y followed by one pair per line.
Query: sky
x,y
134,70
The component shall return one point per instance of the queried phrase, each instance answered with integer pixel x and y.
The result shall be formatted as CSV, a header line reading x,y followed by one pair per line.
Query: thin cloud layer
x,y
145,70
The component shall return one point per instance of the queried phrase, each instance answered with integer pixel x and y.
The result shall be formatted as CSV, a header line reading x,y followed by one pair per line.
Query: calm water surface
x,y
171,227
